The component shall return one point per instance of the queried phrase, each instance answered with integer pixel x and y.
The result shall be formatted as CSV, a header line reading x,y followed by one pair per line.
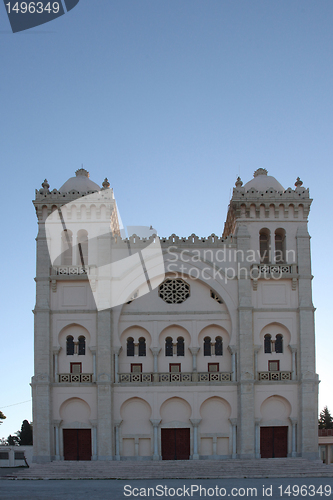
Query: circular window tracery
x,y
174,291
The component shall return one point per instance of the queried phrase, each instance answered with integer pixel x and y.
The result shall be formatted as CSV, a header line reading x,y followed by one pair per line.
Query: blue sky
x,y
170,100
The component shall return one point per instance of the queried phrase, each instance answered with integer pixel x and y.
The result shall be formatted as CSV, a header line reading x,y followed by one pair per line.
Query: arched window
x,y
82,247
207,346
267,343
130,346
264,244
218,346
142,346
180,347
279,343
82,345
168,346
66,247
70,345
280,254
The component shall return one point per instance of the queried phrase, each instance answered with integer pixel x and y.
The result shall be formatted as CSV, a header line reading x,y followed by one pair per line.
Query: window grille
x,y
174,291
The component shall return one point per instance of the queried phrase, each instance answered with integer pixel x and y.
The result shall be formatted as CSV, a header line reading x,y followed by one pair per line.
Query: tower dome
x,y
80,183
262,182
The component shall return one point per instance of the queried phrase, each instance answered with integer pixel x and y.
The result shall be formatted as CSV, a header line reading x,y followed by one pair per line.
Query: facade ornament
x,y
106,184
239,182
260,171
298,182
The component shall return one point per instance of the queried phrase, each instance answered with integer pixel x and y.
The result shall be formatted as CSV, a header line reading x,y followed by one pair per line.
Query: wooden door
x,y
175,444
274,442
77,444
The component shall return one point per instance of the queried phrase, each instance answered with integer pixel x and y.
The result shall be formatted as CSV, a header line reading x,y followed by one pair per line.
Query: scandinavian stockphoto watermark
x,y
227,264
25,15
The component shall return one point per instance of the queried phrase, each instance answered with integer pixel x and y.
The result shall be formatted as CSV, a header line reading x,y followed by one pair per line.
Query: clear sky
x,y
171,100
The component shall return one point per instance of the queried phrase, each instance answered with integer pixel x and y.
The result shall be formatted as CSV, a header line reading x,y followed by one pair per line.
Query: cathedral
x,y
172,348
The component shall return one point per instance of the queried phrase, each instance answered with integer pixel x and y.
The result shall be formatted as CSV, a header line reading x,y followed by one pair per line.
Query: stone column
x,y
245,428
195,422
257,437
232,350
43,376
57,438
104,379
93,352
233,422
56,351
293,437
116,426
308,387
93,424
116,352
155,424
256,349
194,351
155,351
293,349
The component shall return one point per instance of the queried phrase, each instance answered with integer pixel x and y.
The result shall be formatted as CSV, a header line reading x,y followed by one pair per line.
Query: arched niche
x,y
175,332
215,413
77,332
284,358
74,411
213,332
175,412
275,410
135,414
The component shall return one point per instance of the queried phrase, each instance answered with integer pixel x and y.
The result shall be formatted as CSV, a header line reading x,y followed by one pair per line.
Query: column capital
x,y
293,420
155,350
293,347
257,421
56,350
116,349
93,349
195,421
232,349
117,423
194,350
93,422
233,421
57,423
256,348
155,422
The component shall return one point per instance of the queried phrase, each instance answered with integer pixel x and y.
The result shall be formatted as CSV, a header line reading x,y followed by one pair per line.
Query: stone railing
x,y
75,377
175,377
70,270
273,376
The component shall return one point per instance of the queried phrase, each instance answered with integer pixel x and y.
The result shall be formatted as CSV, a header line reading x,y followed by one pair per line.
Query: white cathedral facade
x,y
211,358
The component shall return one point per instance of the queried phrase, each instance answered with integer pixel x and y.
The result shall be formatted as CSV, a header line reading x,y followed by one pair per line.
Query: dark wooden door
x,y
274,442
77,444
175,444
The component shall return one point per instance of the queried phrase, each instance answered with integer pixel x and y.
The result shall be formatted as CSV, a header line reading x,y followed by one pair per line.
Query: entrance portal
x,y
175,444
274,442
77,444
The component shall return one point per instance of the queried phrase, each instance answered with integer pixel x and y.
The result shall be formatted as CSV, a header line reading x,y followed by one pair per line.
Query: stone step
x,y
181,469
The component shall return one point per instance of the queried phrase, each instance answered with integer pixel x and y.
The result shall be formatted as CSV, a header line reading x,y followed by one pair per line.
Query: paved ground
x,y
170,488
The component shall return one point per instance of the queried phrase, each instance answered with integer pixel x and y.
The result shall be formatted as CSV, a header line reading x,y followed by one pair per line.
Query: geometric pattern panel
x,y
174,291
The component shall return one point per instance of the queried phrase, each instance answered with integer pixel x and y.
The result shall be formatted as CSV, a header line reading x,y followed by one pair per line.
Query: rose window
x,y
174,291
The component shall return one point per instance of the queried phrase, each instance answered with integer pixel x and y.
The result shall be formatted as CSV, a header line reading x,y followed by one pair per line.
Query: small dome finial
x,y
260,171
298,182
82,171
106,184
45,186
239,182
